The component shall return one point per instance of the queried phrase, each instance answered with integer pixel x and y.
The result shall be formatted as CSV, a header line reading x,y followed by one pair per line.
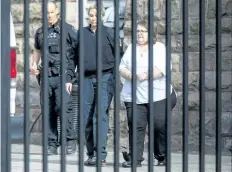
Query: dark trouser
x,y
90,105
159,127
54,100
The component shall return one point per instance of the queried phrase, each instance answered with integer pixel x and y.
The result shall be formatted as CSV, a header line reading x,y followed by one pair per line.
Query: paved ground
x,y
71,160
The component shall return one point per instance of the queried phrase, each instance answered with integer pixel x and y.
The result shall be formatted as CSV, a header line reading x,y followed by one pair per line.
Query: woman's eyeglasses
x,y
141,31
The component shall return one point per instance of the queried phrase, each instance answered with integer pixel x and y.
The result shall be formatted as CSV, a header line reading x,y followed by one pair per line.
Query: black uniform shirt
x,y
53,30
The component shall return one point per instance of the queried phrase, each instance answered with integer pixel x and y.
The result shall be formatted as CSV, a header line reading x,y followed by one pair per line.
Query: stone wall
x,y
176,29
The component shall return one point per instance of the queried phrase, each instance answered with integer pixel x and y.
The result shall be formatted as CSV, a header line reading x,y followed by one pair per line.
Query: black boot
x,y
126,156
128,162
230,149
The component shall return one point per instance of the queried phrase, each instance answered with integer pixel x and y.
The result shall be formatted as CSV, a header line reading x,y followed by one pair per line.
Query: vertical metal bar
x,y
150,86
63,108
218,85
168,84
117,88
81,86
5,88
185,86
26,87
202,87
1,83
45,86
134,80
99,78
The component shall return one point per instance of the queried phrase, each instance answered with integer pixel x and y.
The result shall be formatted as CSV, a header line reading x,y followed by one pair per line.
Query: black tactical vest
x,y
54,57
54,50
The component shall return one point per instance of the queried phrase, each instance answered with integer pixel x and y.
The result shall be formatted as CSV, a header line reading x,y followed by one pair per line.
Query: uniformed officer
x,y
54,73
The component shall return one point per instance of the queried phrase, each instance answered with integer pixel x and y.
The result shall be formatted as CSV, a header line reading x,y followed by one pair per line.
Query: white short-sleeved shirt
x,y
142,88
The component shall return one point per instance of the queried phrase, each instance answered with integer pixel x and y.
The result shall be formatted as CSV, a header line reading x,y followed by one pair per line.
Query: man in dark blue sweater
x,y
90,83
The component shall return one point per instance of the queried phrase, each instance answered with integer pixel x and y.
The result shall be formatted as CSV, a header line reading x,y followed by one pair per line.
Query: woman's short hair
x,y
53,2
95,7
145,24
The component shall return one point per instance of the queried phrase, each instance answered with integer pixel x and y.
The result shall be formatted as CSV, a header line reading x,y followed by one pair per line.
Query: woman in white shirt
x,y
142,89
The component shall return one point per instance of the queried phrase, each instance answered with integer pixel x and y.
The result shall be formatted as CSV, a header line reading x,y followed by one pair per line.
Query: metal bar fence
x,y
1,80
63,108
185,86
168,83
218,85
45,86
202,87
99,81
5,87
26,87
116,88
80,40
150,87
134,79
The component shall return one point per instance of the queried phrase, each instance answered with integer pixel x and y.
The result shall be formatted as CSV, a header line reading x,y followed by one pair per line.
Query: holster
x,y
38,79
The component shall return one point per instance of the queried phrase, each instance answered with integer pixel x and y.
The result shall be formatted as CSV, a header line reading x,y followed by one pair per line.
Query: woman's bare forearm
x,y
125,73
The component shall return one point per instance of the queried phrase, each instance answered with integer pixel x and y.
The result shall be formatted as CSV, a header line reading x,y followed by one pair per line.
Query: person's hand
x,y
34,70
68,87
129,76
142,76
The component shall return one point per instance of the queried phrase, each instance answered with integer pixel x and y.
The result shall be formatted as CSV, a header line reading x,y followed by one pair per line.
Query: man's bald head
x,y
52,13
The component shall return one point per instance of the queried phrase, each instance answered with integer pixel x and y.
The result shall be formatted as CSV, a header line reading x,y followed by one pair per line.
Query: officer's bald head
x,y
52,12
52,3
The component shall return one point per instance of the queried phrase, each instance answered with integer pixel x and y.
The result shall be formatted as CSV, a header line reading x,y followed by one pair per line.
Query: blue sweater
x,y
90,53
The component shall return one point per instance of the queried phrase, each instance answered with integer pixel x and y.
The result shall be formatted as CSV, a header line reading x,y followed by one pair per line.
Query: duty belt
x,y
52,70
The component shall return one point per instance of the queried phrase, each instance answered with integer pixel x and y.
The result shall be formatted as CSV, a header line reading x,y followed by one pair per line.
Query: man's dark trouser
x,y
90,104
54,99
159,127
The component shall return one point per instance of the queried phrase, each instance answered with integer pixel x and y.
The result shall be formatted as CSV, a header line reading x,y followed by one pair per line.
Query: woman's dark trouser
x,y
159,127
141,113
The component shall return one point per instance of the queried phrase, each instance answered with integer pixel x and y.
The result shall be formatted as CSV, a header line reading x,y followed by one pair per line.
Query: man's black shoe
x,y
128,164
71,147
230,149
52,150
